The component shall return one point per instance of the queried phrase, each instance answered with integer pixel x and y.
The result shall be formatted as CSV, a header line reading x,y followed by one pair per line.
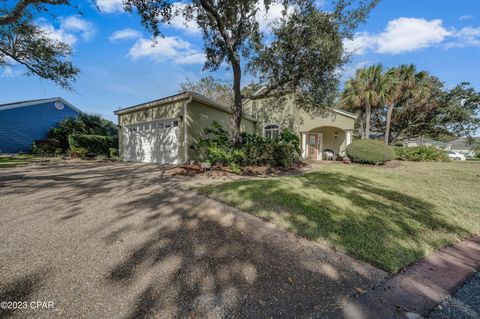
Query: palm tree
x,y
365,92
401,83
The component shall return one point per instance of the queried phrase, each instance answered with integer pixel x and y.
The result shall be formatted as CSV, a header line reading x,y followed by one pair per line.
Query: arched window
x,y
271,131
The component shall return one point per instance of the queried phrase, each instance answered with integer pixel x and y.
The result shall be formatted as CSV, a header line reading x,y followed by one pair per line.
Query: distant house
x,y
461,147
426,142
23,122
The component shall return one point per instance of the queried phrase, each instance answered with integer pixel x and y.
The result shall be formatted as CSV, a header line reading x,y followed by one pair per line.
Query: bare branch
x,y
18,11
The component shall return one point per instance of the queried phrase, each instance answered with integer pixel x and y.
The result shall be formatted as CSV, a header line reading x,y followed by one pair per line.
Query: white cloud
x,y
125,34
349,71
110,6
76,24
266,18
58,34
166,49
180,23
466,17
10,72
465,37
401,35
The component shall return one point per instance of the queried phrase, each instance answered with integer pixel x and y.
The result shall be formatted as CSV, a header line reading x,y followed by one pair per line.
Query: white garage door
x,y
152,142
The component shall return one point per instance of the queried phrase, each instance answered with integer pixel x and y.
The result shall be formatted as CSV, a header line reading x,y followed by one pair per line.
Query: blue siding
x,y
19,127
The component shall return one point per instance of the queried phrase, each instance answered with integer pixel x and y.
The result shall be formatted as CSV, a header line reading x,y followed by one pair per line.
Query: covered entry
x,y
325,142
151,142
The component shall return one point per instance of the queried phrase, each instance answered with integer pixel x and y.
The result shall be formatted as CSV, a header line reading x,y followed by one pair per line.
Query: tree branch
x,y
17,12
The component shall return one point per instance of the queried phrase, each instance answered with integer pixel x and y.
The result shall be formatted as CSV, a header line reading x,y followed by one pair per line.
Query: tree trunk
x,y
237,103
368,114
389,121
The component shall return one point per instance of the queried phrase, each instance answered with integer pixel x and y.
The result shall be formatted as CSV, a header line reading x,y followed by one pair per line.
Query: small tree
x,y
210,87
301,55
23,42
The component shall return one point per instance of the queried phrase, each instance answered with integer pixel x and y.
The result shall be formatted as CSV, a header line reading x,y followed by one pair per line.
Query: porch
x,y
325,143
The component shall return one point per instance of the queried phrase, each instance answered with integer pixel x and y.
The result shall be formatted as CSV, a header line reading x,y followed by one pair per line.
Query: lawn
x,y
390,217
16,160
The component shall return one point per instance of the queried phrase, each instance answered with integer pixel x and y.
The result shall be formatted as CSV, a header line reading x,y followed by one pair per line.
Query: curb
x,y
420,287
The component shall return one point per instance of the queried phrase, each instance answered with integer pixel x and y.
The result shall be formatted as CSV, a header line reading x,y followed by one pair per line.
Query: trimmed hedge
x,y
94,144
421,154
370,152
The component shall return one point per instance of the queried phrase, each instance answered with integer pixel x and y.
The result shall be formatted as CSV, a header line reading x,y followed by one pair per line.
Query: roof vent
x,y
59,105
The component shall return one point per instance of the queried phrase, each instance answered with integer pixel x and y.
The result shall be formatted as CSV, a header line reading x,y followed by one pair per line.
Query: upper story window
x,y
271,131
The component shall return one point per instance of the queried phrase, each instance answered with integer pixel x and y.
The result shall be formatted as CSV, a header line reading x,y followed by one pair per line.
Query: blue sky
x,y
120,68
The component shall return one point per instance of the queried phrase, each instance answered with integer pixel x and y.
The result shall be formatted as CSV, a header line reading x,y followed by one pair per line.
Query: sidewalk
x,y
420,287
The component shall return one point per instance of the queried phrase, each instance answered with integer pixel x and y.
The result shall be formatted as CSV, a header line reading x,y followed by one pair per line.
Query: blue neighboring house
x,y
23,122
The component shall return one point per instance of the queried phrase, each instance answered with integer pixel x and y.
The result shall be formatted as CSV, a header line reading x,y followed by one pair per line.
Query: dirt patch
x,y
258,171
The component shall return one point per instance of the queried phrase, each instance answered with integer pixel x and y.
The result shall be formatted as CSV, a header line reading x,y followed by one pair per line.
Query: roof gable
x,y
13,105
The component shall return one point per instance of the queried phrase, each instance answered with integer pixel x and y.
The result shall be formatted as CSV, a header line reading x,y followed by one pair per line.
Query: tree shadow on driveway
x,y
137,243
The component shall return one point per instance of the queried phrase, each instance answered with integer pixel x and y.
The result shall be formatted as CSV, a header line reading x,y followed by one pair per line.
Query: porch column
x,y
348,137
304,145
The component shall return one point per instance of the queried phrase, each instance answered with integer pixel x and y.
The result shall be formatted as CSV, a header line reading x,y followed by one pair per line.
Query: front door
x,y
312,141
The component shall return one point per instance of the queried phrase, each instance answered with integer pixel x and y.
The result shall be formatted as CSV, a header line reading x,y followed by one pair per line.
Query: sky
x,y
120,67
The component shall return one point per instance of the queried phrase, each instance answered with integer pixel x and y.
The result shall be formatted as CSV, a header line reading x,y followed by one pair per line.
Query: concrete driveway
x,y
102,240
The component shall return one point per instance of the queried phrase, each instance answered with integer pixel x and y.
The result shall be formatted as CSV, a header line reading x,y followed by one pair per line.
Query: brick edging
x,y
420,287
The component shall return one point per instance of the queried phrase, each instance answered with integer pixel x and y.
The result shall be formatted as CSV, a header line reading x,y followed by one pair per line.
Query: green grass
x,y
390,217
16,160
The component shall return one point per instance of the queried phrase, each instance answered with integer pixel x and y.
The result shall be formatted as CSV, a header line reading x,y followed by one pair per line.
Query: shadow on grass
x,y
386,227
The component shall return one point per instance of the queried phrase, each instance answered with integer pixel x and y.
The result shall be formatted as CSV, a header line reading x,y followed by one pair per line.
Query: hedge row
x,y
94,144
421,154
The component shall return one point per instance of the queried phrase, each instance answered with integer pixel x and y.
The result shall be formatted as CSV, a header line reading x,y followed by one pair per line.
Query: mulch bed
x,y
219,170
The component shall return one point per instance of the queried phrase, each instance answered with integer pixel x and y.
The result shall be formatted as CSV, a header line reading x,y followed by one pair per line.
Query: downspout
x,y
185,130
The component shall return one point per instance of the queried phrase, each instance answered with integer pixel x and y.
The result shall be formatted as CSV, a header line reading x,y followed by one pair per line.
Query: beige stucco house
x,y
167,131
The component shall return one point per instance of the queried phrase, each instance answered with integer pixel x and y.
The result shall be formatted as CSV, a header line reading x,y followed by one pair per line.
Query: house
x,y
414,142
23,122
168,130
460,146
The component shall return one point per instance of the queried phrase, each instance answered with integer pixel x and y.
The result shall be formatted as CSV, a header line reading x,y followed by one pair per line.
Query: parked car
x,y
456,156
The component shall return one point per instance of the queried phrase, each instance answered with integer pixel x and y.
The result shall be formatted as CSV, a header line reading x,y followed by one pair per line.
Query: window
x,y
175,123
160,125
168,124
271,131
147,127
153,126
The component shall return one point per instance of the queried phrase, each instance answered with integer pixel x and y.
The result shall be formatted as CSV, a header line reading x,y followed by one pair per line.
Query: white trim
x,y
278,125
348,114
304,145
36,102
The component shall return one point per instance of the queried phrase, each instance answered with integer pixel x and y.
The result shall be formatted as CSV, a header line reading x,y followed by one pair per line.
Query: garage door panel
x,y
156,145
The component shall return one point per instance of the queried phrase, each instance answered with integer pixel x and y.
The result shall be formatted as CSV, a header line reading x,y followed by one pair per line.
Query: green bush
x,y
282,151
77,152
47,147
113,152
94,144
217,147
369,152
421,154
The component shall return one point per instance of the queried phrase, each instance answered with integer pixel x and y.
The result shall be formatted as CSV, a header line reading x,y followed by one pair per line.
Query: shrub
x,y
77,152
421,154
83,124
370,152
94,144
282,151
113,152
47,147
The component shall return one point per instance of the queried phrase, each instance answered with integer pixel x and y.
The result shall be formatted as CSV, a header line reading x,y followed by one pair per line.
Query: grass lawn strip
x,y
390,217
